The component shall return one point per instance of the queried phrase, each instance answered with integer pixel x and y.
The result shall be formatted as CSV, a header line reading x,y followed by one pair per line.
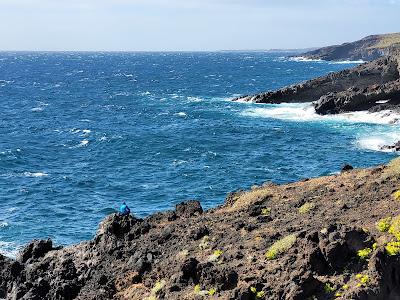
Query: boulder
x,y
35,249
188,209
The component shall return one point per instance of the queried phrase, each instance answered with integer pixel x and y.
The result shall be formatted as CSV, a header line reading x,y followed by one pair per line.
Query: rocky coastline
x,y
372,86
367,49
333,237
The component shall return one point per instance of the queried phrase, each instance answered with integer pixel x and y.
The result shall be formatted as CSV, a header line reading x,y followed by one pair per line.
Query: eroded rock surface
x,y
225,253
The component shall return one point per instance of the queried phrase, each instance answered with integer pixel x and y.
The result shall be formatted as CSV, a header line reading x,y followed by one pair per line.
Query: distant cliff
x,y
367,49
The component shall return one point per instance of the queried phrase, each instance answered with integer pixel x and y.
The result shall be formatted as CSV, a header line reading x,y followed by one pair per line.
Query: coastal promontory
x,y
334,237
372,86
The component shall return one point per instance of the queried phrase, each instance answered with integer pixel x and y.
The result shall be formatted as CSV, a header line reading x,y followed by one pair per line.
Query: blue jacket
x,y
124,209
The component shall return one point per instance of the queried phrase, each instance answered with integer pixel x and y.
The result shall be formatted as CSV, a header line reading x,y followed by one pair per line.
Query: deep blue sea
x,y
82,132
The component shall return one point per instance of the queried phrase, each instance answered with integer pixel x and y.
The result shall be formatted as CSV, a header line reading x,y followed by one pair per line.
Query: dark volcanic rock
x,y
371,86
221,253
189,208
35,249
356,100
394,147
347,167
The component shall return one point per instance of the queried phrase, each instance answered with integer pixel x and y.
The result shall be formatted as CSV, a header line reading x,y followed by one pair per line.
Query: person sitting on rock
x,y
124,210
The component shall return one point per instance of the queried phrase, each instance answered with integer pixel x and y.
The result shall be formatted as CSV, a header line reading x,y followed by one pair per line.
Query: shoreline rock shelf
x,y
260,244
372,86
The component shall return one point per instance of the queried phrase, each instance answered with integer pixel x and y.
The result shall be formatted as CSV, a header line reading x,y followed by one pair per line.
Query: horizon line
x,y
164,51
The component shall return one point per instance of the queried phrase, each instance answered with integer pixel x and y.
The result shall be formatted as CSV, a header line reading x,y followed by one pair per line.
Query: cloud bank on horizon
x,y
190,24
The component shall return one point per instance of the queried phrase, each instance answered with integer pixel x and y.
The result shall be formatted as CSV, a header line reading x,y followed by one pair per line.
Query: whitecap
x,y
194,99
83,143
181,114
37,109
86,131
4,224
35,174
178,162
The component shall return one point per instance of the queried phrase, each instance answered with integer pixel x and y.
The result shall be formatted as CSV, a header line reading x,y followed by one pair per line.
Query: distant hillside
x,y
368,48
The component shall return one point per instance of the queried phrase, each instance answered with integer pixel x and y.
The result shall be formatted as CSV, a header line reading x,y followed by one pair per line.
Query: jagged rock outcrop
x,y
316,227
370,86
367,49
394,147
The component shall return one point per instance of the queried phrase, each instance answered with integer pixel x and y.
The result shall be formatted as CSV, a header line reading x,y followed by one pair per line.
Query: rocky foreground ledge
x,y
373,86
332,237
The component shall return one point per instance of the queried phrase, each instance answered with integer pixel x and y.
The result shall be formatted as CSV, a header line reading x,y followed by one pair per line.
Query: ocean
x,y
82,132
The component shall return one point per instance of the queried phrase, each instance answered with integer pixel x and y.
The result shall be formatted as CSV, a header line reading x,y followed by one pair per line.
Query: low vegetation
x,y
281,246
306,207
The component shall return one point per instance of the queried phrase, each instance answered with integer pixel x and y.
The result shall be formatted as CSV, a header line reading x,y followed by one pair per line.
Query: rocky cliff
x,y
370,86
333,237
368,48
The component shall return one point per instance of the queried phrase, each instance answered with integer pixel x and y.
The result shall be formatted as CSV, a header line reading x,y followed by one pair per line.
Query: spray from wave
x,y
339,62
386,131
305,112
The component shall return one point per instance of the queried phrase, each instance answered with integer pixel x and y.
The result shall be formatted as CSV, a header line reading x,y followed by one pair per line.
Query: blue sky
x,y
161,25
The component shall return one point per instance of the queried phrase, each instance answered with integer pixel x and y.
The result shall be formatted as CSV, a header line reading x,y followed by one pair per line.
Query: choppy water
x,y
81,132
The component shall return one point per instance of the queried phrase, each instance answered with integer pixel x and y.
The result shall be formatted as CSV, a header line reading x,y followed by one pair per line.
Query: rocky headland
x,y
371,86
367,49
334,237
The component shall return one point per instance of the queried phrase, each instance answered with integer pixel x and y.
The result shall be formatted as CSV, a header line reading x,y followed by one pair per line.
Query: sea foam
x,y
9,249
333,62
305,112
387,132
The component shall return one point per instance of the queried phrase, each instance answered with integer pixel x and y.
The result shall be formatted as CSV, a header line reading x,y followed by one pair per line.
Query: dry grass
x,y
250,197
306,207
387,40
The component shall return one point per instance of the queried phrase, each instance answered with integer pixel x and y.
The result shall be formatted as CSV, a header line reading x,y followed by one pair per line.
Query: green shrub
x,y
383,225
215,256
306,207
328,288
158,287
396,195
212,292
395,227
266,211
393,248
364,253
281,246
258,294
363,280
204,244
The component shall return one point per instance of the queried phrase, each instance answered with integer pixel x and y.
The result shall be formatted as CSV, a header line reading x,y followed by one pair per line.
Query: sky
x,y
190,25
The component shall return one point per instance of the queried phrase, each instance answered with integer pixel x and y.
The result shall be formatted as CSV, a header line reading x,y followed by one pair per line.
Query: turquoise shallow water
x,y
81,132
